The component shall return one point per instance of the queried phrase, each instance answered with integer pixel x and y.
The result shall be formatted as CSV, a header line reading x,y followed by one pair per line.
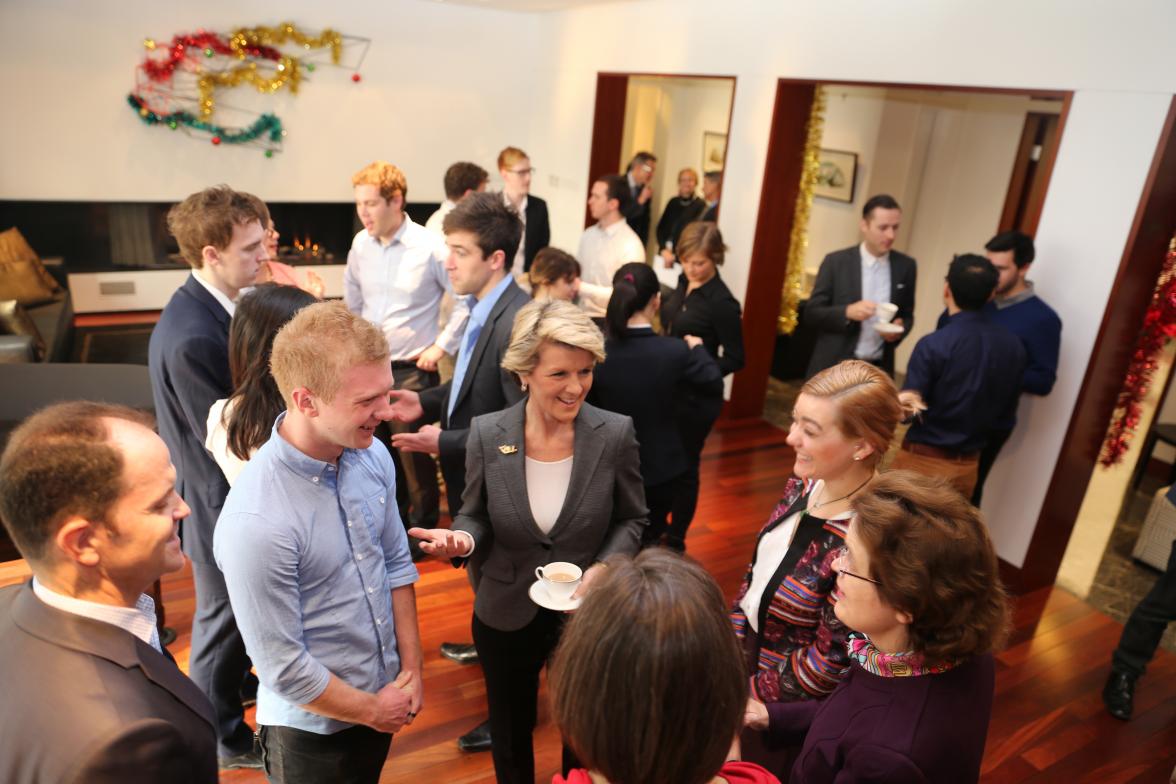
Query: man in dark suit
x,y
482,234
515,168
639,175
712,190
852,283
221,235
87,493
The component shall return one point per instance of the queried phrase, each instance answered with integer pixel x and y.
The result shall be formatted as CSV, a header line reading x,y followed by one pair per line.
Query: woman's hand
x,y
755,715
589,575
692,341
443,543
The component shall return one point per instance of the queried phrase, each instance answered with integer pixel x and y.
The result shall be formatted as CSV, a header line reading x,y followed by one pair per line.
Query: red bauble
x,y
355,77
216,140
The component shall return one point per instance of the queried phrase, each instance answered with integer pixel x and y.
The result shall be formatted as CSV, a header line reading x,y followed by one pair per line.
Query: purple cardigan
x,y
908,730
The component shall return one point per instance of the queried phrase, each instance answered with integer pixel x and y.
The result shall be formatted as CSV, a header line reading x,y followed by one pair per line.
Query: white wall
x,y
439,84
444,83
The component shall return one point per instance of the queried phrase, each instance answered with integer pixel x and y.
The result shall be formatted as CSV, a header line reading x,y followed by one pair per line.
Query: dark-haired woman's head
x,y
554,274
919,568
634,288
622,681
701,251
257,402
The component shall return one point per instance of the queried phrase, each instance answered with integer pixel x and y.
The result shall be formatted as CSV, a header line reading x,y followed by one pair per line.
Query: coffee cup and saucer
x,y
555,586
886,311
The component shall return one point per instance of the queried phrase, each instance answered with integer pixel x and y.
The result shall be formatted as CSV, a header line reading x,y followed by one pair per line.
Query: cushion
x,y
22,275
15,321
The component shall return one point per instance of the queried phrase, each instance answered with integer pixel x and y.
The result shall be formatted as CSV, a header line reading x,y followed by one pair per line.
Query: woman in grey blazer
x,y
549,479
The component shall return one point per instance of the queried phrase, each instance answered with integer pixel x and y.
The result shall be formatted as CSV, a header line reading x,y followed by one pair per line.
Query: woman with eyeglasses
x,y
794,644
919,586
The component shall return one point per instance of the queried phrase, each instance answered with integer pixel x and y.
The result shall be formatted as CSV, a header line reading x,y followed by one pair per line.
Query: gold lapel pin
x,y
507,449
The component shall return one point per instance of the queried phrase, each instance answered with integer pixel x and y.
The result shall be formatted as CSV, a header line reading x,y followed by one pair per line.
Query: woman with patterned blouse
x,y
795,646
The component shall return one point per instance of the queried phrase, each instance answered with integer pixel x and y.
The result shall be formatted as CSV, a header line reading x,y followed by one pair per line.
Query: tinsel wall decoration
x,y
177,84
1159,327
798,242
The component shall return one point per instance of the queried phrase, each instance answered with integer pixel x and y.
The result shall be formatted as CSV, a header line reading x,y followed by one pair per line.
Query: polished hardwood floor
x,y
1048,724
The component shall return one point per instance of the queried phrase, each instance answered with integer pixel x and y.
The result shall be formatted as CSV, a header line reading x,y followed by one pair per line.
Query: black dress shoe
x,y
1119,694
250,759
477,739
460,652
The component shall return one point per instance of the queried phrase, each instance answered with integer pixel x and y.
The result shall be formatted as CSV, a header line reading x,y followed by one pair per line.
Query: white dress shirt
x,y
604,250
399,286
876,288
435,221
138,620
221,297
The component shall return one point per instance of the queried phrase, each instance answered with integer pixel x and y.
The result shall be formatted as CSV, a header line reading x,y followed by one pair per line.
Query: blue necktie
x,y
469,340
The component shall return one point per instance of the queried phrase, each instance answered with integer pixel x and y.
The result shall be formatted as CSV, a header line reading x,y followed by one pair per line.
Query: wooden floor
x,y
1048,724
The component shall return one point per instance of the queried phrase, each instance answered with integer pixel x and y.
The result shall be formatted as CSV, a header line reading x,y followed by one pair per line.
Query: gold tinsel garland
x,y
798,242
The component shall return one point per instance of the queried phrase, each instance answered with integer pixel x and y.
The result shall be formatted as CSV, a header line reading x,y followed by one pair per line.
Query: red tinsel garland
x,y
162,70
1159,326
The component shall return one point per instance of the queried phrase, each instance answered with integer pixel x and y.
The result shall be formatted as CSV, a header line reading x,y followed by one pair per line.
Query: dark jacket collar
x,y
193,289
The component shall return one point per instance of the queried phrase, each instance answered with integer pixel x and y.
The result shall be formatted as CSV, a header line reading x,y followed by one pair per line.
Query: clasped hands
x,y
398,703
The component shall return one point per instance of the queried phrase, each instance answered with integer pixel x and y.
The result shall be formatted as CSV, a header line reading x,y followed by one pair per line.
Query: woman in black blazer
x,y
642,376
549,479
702,307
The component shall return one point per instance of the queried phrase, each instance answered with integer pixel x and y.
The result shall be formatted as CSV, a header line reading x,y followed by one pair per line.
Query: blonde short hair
x,y
510,156
319,345
389,179
549,321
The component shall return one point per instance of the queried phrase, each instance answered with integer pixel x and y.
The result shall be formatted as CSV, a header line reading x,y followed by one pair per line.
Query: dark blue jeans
x,y
351,756
1145,627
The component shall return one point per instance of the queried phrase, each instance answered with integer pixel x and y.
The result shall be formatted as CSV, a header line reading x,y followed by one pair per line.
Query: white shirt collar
x,y
138,620
522,208
868,258
218,295
612,229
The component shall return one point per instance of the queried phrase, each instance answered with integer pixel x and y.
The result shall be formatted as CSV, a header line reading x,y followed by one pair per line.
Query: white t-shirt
x,y
217,443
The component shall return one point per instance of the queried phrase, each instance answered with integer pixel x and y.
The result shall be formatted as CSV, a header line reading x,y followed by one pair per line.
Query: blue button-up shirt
x,y
479,312
969,374
311,552
876,288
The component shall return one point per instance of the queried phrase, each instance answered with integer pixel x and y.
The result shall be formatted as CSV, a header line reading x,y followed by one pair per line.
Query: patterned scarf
x,y
891,665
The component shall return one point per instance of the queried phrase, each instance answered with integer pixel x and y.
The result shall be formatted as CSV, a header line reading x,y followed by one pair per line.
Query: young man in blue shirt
x,y
317,563
967,374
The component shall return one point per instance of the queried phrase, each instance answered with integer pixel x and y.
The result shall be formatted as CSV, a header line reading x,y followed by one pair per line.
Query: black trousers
x,y
660,500
1145,627
511,662
218,663
351,756
696,416
418,496
996,440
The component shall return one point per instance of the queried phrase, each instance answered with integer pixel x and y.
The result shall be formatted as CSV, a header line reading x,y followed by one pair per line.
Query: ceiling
x,y
530,6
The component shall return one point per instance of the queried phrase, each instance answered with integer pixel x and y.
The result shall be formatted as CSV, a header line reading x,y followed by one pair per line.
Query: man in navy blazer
x,y
221,234
851,283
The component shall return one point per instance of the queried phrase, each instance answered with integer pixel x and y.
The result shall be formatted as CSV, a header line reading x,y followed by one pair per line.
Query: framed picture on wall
x,y
837,175
714,151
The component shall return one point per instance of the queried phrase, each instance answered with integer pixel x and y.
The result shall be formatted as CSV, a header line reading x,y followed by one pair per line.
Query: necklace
x,y
816,506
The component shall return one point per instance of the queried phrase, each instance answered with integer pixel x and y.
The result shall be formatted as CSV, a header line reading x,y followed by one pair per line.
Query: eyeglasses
x,y
842,558
522,172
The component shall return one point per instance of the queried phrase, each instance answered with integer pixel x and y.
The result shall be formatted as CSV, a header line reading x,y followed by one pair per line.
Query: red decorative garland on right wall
x,y
1159,326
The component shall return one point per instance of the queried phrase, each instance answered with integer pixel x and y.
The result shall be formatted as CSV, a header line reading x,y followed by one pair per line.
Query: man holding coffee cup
x,y
863,302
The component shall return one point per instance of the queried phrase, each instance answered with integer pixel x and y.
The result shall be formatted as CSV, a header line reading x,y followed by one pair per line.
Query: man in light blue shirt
x,y
317,562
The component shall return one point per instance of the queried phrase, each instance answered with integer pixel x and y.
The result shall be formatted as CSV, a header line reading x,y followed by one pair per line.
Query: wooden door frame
x,y
608,120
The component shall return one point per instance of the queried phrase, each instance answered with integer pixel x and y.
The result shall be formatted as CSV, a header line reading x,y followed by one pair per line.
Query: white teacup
x,y
560,578
886,311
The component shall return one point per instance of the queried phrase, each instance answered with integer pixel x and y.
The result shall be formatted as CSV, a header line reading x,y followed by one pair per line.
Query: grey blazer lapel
x,y
589,446
109,642
514,464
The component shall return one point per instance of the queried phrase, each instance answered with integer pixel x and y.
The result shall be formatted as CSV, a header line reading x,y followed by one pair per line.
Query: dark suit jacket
x,y
89,703
604,512
641,378
839,283
485,388
188,357
637,215
538,233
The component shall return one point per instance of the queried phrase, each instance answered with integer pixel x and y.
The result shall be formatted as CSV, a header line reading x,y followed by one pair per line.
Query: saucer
x,y
886,328
540,596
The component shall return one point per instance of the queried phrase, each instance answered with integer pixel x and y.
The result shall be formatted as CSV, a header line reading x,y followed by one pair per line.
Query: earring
x,y
524,385
857,457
